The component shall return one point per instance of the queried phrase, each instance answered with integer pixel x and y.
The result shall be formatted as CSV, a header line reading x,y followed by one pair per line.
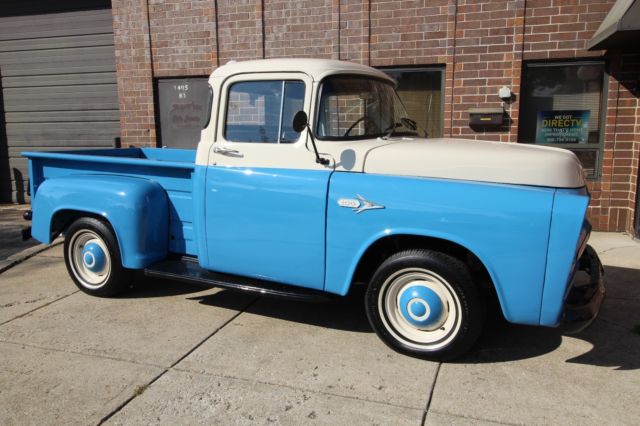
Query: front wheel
x,y
424,303
92,258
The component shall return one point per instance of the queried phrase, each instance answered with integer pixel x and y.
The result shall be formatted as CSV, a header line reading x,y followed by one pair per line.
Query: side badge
x,y
359,204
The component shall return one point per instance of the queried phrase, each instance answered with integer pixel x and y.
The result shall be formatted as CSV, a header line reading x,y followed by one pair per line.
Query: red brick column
x,y
304,28
487,56
406,33
599,207
134,73
354,31
239,30
622,144
635,163
450,65
561,29
183,37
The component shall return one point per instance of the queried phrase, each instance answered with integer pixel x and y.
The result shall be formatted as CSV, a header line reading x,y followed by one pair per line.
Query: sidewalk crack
x,y
430,398
162,373
38,308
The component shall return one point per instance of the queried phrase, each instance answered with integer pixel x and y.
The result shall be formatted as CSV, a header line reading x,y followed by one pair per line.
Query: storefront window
x,y
184,106
561,105
420,90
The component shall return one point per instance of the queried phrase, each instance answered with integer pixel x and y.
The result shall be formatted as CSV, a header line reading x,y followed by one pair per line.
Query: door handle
x,y
226,151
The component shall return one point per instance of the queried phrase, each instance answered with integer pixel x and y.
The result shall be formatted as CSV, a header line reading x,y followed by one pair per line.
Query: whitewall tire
x,y
424,303
92,258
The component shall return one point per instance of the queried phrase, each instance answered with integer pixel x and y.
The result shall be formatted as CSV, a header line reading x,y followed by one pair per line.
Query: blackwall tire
x,y
424,303
92,257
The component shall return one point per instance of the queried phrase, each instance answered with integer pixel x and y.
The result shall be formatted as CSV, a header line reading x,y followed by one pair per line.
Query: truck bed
x,y
172,168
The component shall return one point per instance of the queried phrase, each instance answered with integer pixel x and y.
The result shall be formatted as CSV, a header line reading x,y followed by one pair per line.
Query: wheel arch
x,y
380,248
62,218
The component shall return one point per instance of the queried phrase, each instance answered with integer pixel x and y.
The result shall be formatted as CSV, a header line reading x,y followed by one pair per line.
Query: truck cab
x,y
311,178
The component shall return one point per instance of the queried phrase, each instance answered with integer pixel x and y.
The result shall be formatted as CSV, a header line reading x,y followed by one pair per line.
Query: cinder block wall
x,y
481,45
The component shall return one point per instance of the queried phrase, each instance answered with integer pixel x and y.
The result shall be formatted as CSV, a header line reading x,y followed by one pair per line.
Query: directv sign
x,y
563,126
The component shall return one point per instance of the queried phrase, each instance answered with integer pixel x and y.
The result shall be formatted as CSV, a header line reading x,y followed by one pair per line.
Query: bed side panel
x,y
176,181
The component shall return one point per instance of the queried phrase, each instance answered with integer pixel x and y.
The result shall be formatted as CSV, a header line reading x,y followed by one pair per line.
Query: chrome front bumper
x,y
586,293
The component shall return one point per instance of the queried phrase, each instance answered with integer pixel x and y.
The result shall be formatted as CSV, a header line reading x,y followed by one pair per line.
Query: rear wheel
x,y
92,258
424,303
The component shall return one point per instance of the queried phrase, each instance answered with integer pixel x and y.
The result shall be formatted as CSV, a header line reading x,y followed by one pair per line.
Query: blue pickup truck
x,y
310,178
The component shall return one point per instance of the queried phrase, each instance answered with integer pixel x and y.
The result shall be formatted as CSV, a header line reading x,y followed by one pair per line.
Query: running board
x,y
187,270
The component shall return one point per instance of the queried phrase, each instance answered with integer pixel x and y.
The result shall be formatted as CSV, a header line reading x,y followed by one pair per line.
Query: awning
x,y
620,28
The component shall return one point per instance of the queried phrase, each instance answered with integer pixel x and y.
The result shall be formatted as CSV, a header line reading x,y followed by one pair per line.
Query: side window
x,y
262,111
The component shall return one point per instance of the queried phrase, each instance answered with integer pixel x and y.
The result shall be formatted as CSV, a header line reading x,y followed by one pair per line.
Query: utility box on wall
x,y
184,109
486,117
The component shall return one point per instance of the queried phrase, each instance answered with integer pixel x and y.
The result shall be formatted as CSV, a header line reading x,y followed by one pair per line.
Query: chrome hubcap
x,y
90,259
420,308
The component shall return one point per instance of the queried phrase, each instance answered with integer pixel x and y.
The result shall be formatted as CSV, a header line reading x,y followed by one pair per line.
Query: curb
x,y
25,254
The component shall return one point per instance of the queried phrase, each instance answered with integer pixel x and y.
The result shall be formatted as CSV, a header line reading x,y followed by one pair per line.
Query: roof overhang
x,y
619,29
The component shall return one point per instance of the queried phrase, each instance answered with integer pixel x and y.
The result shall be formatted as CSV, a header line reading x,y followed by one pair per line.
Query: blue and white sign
x,y
563,126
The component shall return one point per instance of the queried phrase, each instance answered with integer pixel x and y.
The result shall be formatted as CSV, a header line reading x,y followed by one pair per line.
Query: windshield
x,y
354,107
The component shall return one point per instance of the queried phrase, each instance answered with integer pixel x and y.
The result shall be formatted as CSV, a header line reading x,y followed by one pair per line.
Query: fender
x,y
136,208
505,226
568,228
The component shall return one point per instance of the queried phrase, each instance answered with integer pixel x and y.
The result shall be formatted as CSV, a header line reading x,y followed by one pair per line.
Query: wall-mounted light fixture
x,y
505,94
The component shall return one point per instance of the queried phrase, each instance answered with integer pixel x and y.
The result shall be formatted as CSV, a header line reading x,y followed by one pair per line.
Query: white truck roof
x,y
317,69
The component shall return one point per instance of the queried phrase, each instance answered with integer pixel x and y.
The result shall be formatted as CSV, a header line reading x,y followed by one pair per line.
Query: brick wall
x,y
481,44
183,37
239,30
304,28
354,30
487,56
614,195
134,74
561,28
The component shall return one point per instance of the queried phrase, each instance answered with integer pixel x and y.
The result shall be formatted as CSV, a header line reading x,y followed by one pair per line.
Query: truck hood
x,y
463,159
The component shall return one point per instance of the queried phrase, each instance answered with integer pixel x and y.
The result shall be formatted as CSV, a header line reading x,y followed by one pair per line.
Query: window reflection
x,y
560,105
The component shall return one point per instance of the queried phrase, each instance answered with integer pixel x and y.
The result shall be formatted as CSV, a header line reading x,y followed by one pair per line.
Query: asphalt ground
x,y
169,353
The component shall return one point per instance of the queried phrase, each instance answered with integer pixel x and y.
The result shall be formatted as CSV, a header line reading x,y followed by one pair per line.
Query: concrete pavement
x,y
168,353
13,249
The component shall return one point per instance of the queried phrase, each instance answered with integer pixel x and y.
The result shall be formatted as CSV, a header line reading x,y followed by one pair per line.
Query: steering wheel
x,y
363,118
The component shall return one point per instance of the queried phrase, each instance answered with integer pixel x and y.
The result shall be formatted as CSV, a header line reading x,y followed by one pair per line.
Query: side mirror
x,y
300,121
409,123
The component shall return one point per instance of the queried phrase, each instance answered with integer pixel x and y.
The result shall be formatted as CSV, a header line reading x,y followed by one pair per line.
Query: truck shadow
x,y
608,344
611,341
144,287
341,313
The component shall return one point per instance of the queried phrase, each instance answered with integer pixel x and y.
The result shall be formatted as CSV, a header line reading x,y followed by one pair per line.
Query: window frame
x,y
599,147
422,68
283,90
